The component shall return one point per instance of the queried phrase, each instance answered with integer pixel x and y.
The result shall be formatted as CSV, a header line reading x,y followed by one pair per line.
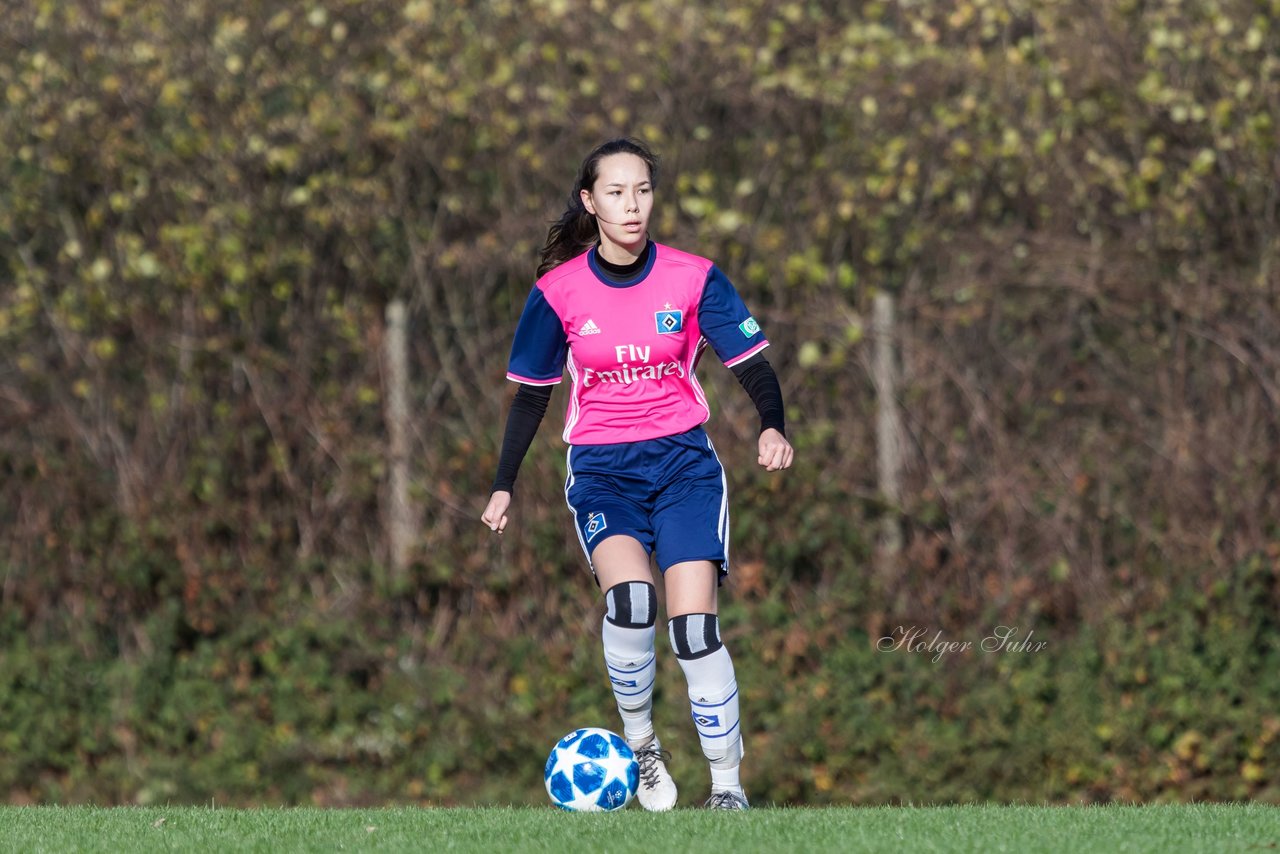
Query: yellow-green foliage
x,y
205,208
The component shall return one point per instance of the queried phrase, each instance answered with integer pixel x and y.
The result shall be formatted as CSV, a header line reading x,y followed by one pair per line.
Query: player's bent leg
x,y
691,587
657,792
628,634
727,800
713,695
708,670
713,698
620,558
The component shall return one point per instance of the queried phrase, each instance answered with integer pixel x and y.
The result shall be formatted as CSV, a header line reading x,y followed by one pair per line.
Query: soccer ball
x,y
591,770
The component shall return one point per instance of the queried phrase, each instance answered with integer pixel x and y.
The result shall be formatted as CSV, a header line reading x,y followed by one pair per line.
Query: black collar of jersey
x,y
619,275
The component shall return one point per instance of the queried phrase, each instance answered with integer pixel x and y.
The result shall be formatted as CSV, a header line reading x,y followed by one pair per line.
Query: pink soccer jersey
x,y
630,349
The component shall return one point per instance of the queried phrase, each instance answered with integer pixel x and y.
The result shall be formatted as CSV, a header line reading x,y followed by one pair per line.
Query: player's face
x,y
621,199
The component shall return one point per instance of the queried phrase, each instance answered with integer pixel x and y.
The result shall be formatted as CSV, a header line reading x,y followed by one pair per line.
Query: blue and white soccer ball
x,y
591,770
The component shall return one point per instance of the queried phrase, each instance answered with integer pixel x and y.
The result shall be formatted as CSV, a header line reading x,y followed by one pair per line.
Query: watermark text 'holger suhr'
x,y
923,641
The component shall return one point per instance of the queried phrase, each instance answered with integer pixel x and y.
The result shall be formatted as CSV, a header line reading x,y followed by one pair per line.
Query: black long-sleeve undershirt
x,y
761,382
527,409
530,405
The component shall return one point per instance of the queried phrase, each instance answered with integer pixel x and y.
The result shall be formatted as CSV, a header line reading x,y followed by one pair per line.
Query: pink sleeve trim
x,y
516,378
747,355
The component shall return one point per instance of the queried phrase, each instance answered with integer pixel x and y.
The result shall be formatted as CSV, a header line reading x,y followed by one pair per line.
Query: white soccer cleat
x,y
727,801
657,792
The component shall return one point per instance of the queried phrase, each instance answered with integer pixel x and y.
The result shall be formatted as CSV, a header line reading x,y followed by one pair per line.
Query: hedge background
x,y
205,210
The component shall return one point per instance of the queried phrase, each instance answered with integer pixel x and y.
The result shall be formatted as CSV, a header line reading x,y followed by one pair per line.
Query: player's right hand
x,y
495,515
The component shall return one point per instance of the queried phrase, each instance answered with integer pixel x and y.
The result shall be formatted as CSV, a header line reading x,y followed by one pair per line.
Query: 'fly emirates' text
x,y
627,373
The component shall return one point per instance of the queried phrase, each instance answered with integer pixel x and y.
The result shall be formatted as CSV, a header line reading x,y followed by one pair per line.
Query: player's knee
x,y
695,636
632,605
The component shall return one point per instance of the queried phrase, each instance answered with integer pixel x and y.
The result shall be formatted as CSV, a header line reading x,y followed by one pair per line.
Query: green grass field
x,y
1191,828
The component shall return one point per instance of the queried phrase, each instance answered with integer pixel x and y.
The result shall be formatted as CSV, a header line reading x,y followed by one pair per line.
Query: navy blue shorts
x,y
668,493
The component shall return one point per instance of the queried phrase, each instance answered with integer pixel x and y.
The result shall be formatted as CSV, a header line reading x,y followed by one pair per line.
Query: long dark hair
x,y
576,231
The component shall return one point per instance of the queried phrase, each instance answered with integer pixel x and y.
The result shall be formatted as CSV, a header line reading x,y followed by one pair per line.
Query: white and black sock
x,y
713,694
628,636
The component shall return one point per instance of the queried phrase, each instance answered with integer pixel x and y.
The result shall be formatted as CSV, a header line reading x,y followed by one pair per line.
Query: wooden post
x,y
888,426
401,529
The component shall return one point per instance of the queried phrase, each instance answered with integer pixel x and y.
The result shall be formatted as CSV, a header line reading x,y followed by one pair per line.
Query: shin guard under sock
x,y
713,689
628,637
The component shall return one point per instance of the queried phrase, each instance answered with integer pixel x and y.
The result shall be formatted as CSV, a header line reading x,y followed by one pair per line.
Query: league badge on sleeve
x,y
749,327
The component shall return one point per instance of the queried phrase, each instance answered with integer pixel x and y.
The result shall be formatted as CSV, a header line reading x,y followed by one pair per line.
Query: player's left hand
x,y
776,452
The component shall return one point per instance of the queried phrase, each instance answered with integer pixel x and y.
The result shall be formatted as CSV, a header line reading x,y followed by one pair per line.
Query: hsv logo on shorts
x,y
595,524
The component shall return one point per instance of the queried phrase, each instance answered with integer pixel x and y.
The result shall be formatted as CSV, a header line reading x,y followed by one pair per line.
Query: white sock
x,y
628,635
713,690
726,779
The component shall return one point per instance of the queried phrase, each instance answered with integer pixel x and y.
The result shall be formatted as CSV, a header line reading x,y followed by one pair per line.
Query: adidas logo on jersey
x,y
589,328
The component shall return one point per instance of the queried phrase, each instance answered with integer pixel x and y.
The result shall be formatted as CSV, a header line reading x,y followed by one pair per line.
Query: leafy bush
x,y
205,212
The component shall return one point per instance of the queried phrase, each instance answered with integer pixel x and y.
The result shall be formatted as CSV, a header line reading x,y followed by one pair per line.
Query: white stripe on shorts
x,y
723,528
568,484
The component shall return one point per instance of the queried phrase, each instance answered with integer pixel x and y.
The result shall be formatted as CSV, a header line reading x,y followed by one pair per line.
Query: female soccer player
x,y
628,318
